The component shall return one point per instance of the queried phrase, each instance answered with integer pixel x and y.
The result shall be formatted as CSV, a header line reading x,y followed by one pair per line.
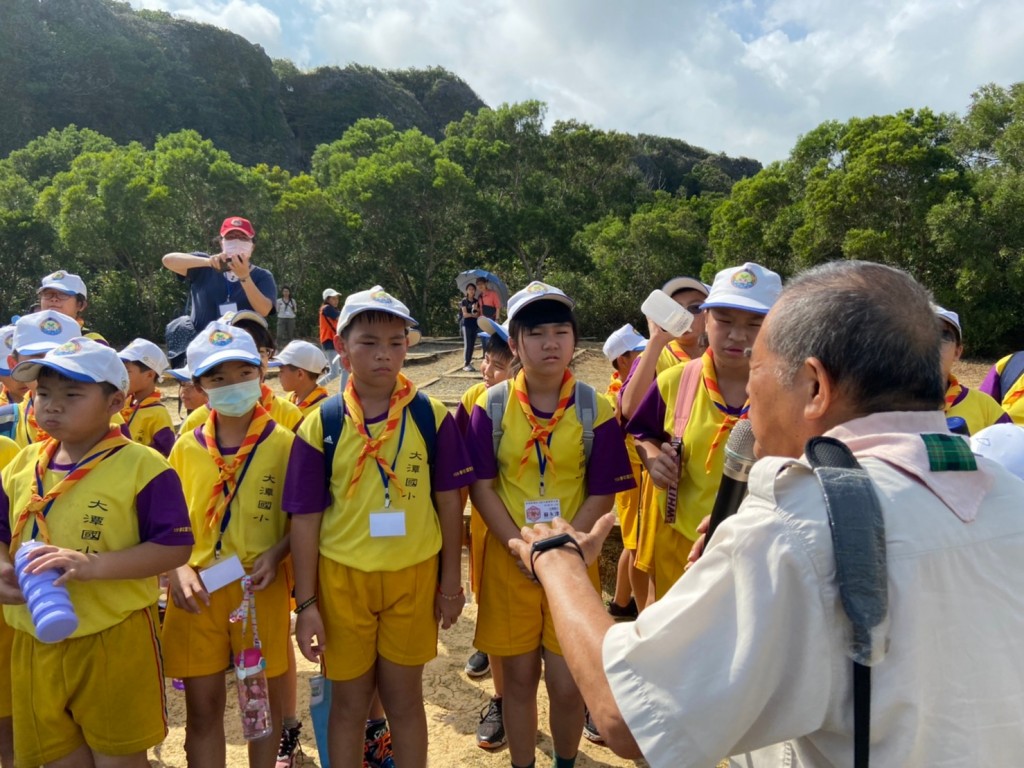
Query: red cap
x,y
233,223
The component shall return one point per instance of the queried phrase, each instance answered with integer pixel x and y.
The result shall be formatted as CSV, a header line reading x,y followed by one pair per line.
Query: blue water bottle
x,y
50,606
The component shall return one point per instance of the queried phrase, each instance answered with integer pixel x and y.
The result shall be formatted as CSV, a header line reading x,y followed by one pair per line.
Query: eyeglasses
x,y
55,296
949,336
695,309
267,352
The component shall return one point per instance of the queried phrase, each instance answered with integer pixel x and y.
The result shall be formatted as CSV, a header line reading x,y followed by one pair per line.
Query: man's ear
x,y
821,389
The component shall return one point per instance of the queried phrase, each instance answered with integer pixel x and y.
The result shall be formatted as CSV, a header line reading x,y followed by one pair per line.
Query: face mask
x,y
235,399
238,247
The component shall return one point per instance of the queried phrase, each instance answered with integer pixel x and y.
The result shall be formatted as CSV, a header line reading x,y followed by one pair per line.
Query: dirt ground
x,y
453,700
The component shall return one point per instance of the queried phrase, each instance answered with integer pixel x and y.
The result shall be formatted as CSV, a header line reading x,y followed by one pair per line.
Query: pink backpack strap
x,y
688,385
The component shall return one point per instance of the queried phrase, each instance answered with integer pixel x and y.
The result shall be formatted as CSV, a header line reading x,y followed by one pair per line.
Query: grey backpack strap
x,y
586,413
497,399
858,540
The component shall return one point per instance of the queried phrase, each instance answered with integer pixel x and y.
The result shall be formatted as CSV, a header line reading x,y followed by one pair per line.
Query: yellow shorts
x,y
627,504
367,614
650,522
196,645
513,617
105,690
671,549
477,536
6,641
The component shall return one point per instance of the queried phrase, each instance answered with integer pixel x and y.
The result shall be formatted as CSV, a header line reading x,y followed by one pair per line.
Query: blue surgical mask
x,y
235,399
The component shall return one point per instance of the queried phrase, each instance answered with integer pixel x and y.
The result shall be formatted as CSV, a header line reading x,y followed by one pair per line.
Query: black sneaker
x,y
478,664
490,734
590,730
289,745
623,612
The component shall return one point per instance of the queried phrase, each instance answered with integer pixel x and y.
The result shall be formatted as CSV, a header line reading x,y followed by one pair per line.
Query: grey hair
x,y
873,329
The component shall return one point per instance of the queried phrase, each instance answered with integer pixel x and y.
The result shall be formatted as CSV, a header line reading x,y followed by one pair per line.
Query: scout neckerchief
x,y
954,393
129,412
711,384
400,397
5,396
35,433
314,397
267,397
1014,394
41,502
678,352
540,435
615,384
228,477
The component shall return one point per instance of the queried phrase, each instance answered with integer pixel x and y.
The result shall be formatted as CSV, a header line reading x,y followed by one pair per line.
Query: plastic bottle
x,y
662,309
253,700
50,606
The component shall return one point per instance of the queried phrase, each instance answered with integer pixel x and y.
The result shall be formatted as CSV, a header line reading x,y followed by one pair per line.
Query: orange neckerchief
x,y
226,487
129,411
35,433
711,382
678,352
615,384
37,508
400,397
266,397
5,396
314,397
952,393
540,435
1015,394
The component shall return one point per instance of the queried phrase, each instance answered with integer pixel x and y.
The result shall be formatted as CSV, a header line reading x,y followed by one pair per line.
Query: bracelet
x,y
243,279
304,605
461,593
552,542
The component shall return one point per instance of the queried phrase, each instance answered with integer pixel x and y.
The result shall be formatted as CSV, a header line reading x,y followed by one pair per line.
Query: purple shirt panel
x,y
163,441
648,421
990,386
163,513
462,419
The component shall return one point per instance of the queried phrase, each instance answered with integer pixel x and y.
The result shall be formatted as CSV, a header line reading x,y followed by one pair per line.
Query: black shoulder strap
x,y
423,416
331,421
1011,372
858,540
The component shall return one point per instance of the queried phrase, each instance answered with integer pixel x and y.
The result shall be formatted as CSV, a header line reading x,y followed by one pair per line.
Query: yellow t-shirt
x,y
1015,409
100,513
283,412
146,422
345,527
671,355
977,409
566,481
469,398
256,521
8,450
697,487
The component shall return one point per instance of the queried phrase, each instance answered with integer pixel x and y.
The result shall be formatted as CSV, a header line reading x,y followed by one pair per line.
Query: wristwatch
x,y
552,542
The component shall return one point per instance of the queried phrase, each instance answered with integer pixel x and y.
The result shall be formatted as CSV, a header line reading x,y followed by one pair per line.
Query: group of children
x,y
347,511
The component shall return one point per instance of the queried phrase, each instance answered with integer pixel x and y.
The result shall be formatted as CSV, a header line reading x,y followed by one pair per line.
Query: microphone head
x,y
739,452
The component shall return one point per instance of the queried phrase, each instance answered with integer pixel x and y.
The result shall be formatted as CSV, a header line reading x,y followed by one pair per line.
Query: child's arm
x,y
10,592
305,546
264,567
450,600
646,371
590,511
138,562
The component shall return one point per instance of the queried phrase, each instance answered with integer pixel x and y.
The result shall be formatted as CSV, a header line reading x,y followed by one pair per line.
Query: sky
x,y
744,77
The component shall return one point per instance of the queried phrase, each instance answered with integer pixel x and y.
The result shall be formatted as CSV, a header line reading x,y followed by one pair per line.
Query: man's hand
x,y
590,543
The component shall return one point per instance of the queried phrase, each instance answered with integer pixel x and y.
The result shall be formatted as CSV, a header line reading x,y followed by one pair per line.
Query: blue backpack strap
x,y
332,418
1011,372
423,415
9,415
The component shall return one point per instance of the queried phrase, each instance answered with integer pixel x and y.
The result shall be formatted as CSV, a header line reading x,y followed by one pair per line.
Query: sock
x,y
291,722
564,762
531,764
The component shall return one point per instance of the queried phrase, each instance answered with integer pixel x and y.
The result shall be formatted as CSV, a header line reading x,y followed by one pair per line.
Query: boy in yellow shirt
x,y
148,420
301,364
232,469
112,516
11,391
376,532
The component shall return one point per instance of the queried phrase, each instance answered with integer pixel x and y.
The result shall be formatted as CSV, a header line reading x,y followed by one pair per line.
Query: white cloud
x,y
740,76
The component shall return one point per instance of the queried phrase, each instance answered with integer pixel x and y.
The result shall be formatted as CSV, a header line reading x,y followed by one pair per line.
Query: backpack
x,y
1013,371
586,412
332,419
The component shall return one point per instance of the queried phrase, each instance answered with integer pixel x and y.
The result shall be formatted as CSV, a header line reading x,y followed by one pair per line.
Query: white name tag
x,y
222,573
542,511
389,523
229,306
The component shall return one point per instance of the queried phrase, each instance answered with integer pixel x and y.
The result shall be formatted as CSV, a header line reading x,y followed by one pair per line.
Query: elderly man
x,y
749,653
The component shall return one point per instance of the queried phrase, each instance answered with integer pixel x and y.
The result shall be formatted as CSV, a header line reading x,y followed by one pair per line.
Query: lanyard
x,y
231,497
542,462
383,475
40,491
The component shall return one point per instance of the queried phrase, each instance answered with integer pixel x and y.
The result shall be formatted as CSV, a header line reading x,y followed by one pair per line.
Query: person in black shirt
x,y
470,309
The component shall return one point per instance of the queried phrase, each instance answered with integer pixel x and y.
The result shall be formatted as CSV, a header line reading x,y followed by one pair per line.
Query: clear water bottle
x,y
49,605
253,696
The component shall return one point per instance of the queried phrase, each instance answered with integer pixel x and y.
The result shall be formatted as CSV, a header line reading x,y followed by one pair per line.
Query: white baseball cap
x,y
750,287
304,355
623,340
64,282
536,291
182,374
147,353
328,292
234,317
1004,444
42,331
374,300
219,343
80,359
491,328
677,284
6,348
950,317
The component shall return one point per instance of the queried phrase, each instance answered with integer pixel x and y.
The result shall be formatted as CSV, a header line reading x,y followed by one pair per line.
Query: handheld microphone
x,y
739,458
